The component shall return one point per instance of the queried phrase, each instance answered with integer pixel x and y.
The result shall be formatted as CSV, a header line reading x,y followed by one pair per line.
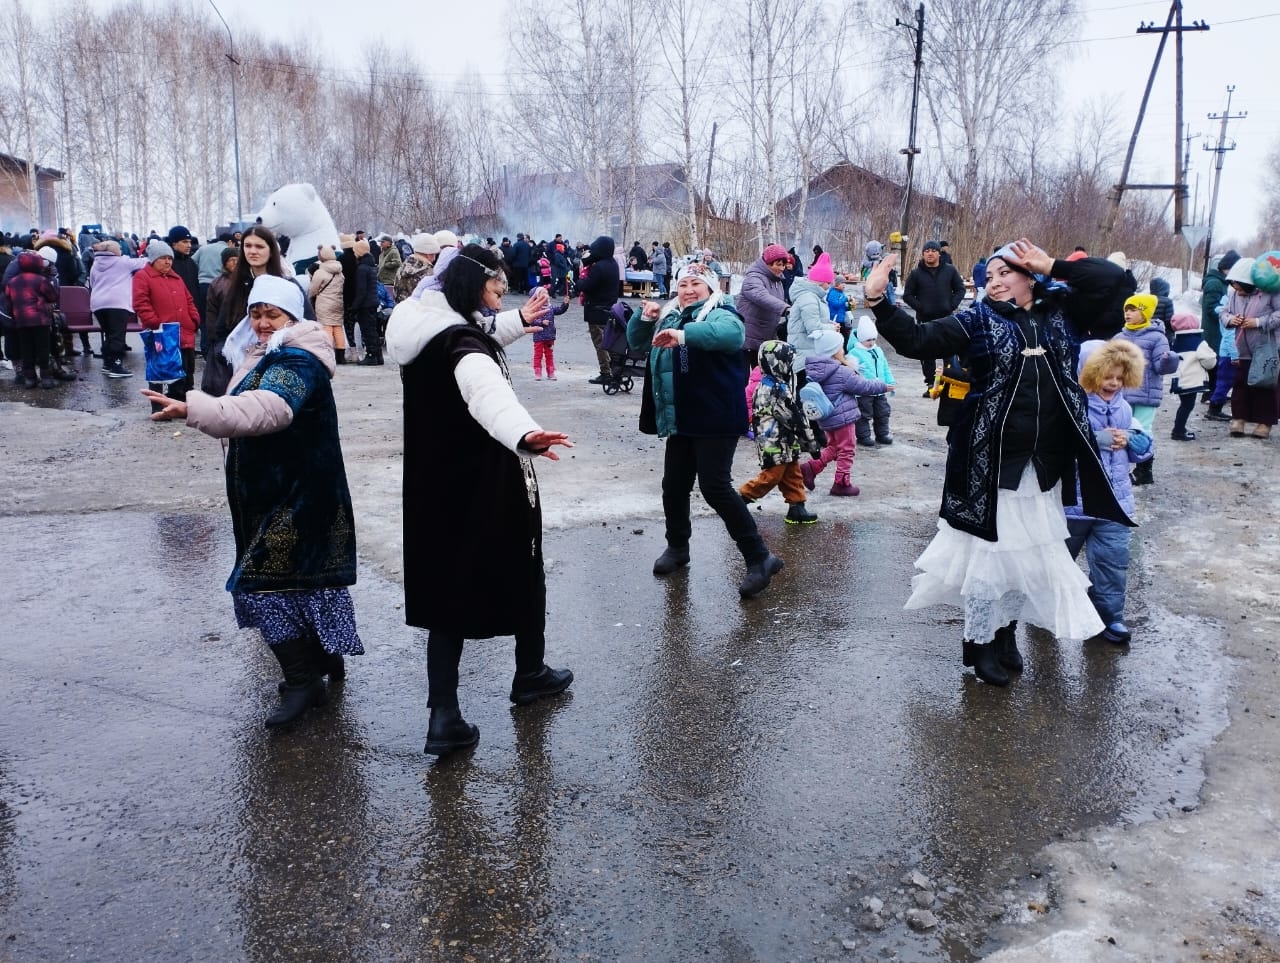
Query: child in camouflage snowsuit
x,y
783,434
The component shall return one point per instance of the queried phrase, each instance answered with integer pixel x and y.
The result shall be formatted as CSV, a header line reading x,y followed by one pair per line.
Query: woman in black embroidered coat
x,y
1013,453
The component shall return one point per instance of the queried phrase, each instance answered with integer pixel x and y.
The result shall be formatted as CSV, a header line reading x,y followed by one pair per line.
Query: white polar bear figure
x,y
297,211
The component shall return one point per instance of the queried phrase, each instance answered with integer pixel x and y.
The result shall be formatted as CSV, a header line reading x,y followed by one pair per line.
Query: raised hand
x,y
878,280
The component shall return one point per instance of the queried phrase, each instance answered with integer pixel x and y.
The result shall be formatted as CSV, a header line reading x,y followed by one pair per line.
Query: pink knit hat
x,y
821,272
1184,321
775,252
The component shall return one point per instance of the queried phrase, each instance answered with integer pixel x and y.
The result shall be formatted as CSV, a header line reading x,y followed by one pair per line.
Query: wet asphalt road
x,y
724,781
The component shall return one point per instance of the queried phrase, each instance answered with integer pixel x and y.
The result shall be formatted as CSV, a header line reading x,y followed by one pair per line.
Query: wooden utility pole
x,y
1175,26
911,149
1220,150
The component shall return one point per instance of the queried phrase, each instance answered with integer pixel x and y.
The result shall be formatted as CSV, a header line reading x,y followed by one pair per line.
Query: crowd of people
x,y
1050,381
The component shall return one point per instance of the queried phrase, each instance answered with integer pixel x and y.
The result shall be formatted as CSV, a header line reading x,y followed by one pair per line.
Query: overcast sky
x,y
1110,61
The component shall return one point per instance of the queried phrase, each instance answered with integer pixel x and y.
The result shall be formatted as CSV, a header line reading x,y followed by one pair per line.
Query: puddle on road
x,y
736,781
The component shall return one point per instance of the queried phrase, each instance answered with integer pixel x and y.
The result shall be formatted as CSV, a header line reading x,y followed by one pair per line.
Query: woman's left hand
x,y
540,442
172,408
1032,258
666,338
534,307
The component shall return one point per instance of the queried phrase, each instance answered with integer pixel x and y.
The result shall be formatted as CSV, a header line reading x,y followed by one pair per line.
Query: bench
x,y
74,301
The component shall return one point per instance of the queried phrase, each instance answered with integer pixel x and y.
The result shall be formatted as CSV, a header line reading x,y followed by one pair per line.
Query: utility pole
x,y
706,189
1175,26
235,118
1220,150
911,149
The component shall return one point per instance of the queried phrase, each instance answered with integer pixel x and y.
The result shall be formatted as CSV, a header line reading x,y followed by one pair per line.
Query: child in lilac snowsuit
x,y
1112,366
842,385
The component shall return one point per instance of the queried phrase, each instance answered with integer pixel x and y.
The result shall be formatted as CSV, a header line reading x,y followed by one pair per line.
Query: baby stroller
x,y
623,362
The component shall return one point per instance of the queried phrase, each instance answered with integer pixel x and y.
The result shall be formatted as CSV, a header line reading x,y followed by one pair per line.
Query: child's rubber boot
x,y
844,487
809,470
798,514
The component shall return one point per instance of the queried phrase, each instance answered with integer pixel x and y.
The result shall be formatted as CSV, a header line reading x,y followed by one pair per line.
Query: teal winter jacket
x,y
697,388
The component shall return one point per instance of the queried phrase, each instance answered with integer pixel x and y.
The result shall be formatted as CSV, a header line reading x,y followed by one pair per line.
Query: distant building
x,y
849,205
15,195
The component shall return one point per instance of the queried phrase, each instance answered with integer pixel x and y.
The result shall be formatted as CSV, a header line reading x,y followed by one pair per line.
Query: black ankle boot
x,y
1142,473
340,355
532,686
759,575
985,664
448,731
303,687
1006,646
798,514
671,559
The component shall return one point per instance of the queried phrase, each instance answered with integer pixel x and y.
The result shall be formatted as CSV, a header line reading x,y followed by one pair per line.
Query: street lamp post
x,y
235,120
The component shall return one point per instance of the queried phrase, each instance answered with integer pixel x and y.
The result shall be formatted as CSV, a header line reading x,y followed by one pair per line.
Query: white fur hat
x,y
424,244
826,342
867,329
446,238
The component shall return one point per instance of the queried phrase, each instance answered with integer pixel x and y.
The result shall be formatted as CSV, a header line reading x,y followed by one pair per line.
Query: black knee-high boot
x,y
302,685
447,731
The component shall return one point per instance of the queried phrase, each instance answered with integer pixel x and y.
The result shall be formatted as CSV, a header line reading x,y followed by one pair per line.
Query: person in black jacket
x,y
1164,306
933,290
364,303
1020,448
599,291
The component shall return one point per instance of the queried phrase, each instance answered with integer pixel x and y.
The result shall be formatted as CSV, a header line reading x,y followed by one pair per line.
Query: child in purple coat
x,y
544,340
842,384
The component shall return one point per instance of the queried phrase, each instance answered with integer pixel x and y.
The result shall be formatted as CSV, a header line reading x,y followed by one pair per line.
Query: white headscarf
x,y
267,289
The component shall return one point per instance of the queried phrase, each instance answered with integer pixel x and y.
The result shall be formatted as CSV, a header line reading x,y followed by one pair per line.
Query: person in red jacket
x,y
161,296
32,297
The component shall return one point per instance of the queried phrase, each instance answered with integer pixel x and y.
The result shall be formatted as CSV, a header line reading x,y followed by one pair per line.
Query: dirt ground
x,y
1203,884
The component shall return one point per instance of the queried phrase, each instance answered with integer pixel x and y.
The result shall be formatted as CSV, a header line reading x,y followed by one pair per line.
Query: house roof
x,y
17,163
851,181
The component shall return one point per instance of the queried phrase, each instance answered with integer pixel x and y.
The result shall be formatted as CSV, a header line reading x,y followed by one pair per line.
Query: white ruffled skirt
x,y
1027,574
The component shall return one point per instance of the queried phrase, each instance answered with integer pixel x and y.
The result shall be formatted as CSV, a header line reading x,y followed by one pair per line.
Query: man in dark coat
x,y
520,258
599,291
933,290
184,265
637,259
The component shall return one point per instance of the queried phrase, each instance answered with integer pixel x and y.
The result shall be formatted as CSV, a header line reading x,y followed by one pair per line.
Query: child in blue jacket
x,y
873,365
1112,366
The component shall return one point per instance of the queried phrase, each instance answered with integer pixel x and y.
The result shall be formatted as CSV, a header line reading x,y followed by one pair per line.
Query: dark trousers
x,y
33,350
709,461
1224,376
367,318
202,300
114,323
875,415
1186,404
349,325
929,368
444,653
